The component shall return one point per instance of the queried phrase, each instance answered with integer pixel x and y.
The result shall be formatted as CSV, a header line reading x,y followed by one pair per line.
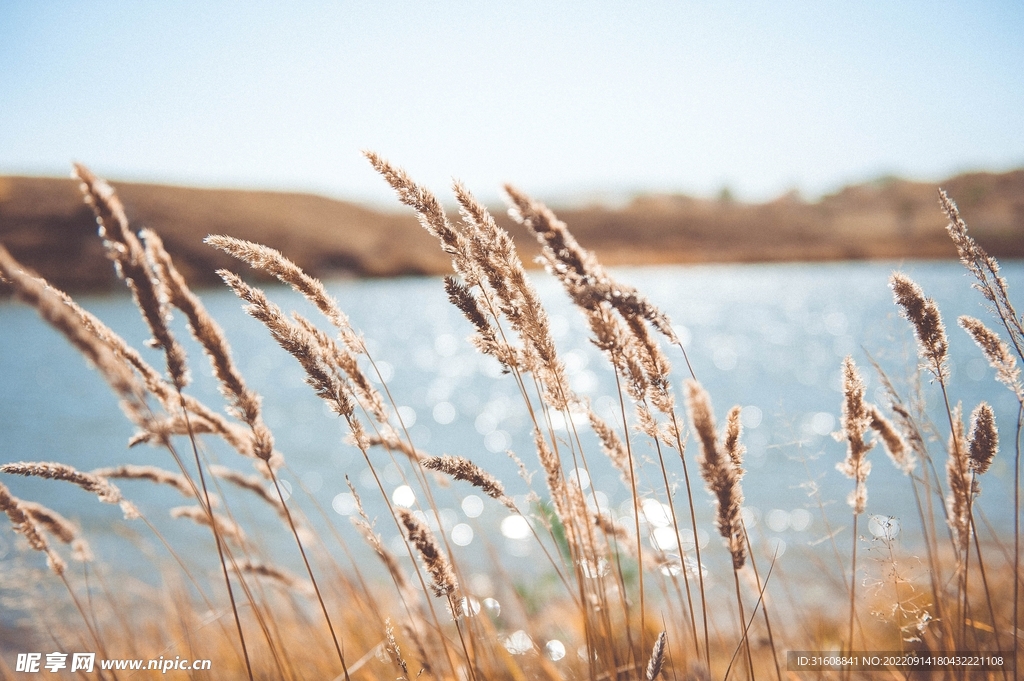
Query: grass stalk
x,y
744,638
696,548
764,607
205,499
853,585
312,577
1015,635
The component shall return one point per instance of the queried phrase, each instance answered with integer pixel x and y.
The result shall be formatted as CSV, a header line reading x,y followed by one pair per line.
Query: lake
x,y
768,337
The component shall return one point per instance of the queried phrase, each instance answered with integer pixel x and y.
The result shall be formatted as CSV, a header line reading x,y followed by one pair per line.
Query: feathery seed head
x,y
924,315
720,472
464,469
443,582
895,445
104,490
996,352
657,661
151,473
983,439
135,267
958,475
856,420
733,431
199,515
23,524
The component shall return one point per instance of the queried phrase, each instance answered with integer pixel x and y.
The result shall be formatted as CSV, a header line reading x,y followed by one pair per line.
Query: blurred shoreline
x,y
45,225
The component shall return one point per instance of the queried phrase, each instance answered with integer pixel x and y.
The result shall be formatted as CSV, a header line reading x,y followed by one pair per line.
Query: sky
x,y
571,101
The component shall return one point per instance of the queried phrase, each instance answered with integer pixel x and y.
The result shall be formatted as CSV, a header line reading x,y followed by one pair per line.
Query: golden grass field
x,y
622,607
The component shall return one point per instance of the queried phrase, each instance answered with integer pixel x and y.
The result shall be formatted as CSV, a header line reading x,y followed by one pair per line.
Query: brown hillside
x,y
889,218
44,223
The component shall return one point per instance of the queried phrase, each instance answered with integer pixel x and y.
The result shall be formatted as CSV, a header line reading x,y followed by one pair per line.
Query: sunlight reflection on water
x,y
770,338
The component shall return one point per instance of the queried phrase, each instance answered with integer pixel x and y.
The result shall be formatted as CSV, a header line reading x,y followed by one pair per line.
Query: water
x,y
768,337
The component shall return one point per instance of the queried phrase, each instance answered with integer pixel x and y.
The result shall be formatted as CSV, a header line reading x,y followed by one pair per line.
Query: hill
x,y
44,223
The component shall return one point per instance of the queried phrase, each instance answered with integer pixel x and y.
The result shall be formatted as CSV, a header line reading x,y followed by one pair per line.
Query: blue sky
x,y
565,99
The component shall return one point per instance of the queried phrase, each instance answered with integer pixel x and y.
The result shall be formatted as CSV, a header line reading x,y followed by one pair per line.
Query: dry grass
x,y
632,608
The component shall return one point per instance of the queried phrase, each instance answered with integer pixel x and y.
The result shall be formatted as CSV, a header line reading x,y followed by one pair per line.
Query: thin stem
x,y
309,570
988,594
764,608
853,581
760,602
675,527
216,535
933,565
636,507
1016,534
745,640
85,618
696,542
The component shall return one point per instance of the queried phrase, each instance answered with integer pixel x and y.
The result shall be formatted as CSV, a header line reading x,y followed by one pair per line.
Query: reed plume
x,y
365,393
199,515
485,257
985,269
276,264
721,473
924,316
364,525
997,352
244,403
719,470
618,316
733,431
895,445
132,265
278,574
326,382
906,426
578,267
151,294
855,421
443,581
392,647
486,339
958,501
982,439
464,469
152,473
592,288
23,523
104,490
55,524
388,438
304,347
613,447
657,661
250,483
432,217
993,287
201,419
516,298
60,527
